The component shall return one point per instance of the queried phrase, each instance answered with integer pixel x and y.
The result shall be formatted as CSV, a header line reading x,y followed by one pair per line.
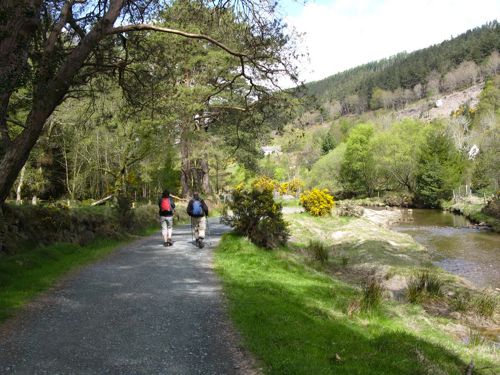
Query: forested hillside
x,y
398,80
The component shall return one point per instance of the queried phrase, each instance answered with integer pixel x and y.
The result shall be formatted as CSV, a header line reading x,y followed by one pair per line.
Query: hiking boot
x,y
165,244
170,242
201,245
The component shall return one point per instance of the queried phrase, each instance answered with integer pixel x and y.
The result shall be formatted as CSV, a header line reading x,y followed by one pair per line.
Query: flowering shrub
x,y
264,183
295,185
464,110
283,188
317,202
291,187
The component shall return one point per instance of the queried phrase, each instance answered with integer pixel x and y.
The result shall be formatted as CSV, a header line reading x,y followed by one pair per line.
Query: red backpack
x,y
165,204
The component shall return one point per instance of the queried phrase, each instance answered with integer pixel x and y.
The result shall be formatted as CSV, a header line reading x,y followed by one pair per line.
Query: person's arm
x,y
172,204
190,208
205,207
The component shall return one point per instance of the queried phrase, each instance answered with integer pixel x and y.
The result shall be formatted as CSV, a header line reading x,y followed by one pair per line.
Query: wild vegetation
x,y
117,102
299,318
405,161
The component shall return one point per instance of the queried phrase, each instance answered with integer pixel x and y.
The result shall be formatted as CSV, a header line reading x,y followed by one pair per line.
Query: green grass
x,y
24,275
295,320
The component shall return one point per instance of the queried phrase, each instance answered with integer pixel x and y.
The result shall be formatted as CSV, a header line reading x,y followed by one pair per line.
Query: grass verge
x,y
295,319
24,275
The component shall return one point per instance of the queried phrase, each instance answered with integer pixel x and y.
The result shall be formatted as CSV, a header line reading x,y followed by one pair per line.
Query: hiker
x,y
167,209
198,211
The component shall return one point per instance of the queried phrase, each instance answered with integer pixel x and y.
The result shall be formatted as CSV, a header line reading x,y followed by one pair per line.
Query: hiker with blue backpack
x,y
198,211
167,208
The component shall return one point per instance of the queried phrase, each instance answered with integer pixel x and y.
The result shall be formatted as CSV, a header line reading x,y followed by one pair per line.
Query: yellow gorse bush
x,y
295,185
283,188
317,202
291,187
264,183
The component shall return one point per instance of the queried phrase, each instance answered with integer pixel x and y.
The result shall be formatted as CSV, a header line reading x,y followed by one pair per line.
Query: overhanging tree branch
x,y
142,27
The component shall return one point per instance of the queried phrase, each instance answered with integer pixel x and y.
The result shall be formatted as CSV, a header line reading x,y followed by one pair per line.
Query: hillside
x,y
407,77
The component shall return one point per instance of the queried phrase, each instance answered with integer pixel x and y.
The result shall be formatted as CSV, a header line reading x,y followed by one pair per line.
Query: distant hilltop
x,y
393,83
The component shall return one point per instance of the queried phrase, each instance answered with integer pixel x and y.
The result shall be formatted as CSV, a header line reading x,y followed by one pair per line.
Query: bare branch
x,y
142,27
56,30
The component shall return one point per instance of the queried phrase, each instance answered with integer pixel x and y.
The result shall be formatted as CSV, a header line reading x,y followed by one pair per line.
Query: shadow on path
x,y
146,309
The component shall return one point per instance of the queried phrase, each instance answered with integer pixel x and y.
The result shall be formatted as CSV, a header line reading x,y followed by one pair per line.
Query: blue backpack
x,y
197,208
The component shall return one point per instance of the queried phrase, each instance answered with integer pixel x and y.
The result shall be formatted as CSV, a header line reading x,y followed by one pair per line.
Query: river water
x,y
456,245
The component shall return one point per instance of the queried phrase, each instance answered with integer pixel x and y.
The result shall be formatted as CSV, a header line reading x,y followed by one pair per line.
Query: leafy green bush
x,y
256,215
29,226
317,202
423,284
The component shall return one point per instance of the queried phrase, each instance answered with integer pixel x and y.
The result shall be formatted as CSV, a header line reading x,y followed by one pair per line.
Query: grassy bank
x,y
300,320
24,275
473,212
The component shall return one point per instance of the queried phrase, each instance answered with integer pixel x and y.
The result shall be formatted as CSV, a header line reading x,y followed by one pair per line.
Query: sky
x,y
342,34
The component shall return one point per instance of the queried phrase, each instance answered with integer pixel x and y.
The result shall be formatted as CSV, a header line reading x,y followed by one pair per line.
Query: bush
x,y
317,202
263,183
28,226
318,250
256,215
423,285
291,187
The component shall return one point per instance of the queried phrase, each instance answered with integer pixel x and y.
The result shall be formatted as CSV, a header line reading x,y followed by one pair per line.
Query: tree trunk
x,y
205,181
186,167
49,92
20,186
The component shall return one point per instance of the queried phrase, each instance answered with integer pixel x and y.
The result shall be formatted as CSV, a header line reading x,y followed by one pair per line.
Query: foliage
x,y
357,172
423,285
319,251
486,304
124,211
317,202
264,183
373,293
30,226
439,169
291,187
325,173
327,144
395,152
256,215
410,76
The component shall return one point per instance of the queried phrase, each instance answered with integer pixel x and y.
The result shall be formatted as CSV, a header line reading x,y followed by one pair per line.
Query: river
x,y
456,245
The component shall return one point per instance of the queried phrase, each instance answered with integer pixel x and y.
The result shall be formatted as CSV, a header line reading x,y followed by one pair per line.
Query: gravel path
x,y
146,309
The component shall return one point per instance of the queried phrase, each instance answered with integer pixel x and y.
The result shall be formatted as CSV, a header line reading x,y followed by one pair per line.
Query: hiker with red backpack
x,y
167,209
198,211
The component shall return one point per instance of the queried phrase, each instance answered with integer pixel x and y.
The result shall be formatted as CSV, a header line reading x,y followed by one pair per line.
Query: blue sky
x,y
341,34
